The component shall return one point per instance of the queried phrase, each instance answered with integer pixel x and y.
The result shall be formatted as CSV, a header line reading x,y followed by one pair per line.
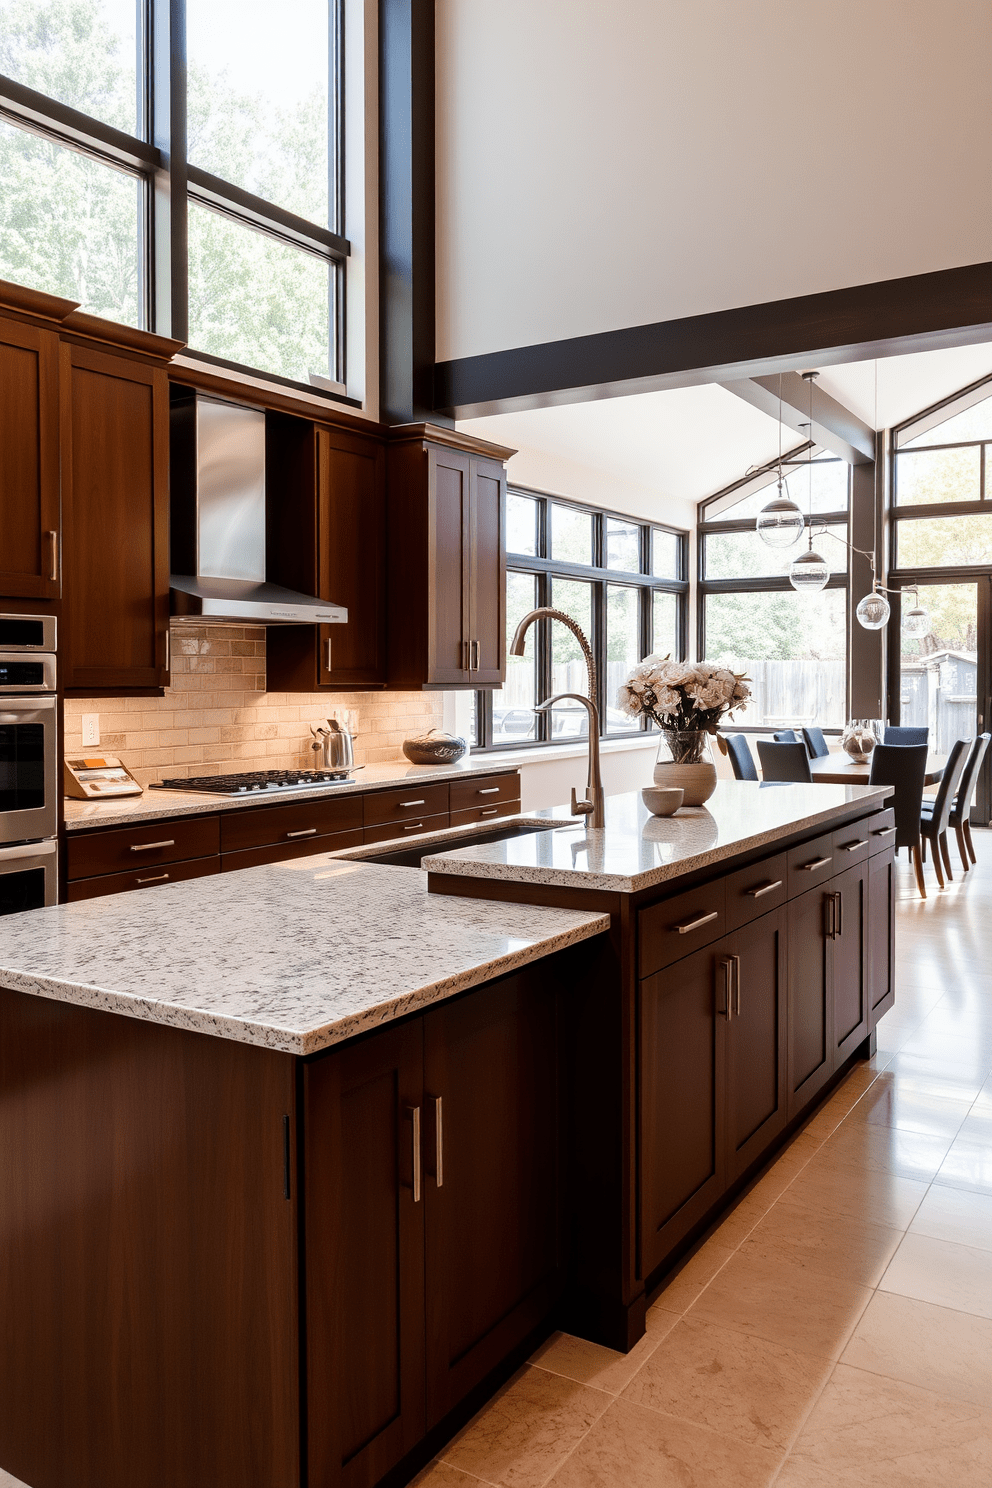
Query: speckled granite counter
x,y
637,851
295,956
157,805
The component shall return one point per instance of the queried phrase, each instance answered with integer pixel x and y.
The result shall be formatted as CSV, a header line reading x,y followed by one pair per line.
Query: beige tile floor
x,y
836,1327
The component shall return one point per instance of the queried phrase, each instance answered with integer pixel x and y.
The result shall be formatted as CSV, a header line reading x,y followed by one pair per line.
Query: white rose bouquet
x,y
685,699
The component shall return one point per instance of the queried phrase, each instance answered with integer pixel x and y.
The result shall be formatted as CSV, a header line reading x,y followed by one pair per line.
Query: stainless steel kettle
x,y
335,745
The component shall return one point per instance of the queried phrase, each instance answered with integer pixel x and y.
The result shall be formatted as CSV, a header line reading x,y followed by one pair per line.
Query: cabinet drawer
x,y
403,805
754,891
484,792
851,844
484,813
671,930
149,877
393,831
881,831
270,825
811,864
171,841
281,852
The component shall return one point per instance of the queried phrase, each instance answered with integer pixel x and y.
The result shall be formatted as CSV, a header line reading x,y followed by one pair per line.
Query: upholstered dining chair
x,y
816,744
960,812
741,759
784,761
904,766
906,735
936,818
786,736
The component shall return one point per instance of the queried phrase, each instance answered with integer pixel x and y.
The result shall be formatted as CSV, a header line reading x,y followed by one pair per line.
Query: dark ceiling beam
x,y
835,427
922,312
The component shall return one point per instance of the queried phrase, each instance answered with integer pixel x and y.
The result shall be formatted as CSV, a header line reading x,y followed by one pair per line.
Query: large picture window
x,y
219,222
792,646
624,582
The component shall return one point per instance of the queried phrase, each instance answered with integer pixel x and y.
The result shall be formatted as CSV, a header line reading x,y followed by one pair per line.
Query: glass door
x,y
944,674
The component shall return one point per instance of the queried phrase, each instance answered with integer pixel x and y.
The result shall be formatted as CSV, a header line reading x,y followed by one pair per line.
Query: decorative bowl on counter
x,y
662,801
434,748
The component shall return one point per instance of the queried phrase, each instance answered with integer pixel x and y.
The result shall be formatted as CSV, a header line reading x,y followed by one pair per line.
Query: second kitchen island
x,y
300,1160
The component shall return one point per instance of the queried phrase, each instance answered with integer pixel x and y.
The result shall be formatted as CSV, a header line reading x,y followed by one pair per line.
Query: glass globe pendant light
x,y
809,572
874,609
915,620
780,523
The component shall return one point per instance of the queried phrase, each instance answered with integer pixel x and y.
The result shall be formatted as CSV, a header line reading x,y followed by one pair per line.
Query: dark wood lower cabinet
x,y
757,1090
881,934
810,1063
849,961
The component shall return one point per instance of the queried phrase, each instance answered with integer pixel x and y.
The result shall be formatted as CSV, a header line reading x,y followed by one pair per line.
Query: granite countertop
x,y
156,805
293,956
636,850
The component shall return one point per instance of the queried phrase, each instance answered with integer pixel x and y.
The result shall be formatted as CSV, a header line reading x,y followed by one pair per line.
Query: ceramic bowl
x,y
662,800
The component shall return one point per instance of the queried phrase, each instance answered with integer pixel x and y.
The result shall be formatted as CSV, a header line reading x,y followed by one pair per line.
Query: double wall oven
x,y
29,774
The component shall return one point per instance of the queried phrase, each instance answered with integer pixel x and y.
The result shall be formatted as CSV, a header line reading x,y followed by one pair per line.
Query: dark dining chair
x,y
907,735
904,766
786,736
741,758
784,761
936,818
816,744
960,812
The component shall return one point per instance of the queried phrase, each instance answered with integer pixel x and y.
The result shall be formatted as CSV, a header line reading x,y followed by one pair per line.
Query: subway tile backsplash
x,y
217,716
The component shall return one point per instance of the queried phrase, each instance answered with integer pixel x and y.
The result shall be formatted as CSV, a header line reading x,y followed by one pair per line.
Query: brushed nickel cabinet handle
x,y
764,889
853,846
305,832
327,655
52,538
737,985
414,1114
168,649
438,1143
159,878
726,965
697,923
815,864
412,826
151,846
404,804
882,831
490,790
831,917
476,657
839,899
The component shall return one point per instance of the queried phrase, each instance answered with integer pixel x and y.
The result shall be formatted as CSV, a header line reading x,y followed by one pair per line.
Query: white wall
x,y
601,166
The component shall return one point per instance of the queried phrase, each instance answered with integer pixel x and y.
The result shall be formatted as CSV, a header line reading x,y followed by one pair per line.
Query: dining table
x,y
840,769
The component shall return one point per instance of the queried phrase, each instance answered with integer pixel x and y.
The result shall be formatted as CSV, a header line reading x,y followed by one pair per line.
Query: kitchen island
x,y
300,1160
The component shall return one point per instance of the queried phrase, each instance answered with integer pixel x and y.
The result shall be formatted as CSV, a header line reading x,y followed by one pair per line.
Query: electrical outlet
x,y
91,729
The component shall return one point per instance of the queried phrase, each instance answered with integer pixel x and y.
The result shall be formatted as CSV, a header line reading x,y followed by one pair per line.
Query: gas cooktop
x,y
255,782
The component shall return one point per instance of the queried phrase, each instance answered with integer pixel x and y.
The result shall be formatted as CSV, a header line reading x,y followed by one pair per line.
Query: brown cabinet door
x,y
492,1178
810,1031
881,934
364,1257
29,469
849,959
487,579
682,1028
115,489
757,1092
449,580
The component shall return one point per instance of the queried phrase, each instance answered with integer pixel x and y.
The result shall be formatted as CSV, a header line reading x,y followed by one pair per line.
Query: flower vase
x,y
684,759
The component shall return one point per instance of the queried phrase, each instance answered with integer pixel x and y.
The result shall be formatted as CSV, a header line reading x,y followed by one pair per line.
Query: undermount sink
x,y
412,856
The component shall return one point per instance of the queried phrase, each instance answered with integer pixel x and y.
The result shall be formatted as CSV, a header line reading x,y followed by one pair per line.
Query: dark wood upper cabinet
x,y
326,537
447,560
115,498
29,470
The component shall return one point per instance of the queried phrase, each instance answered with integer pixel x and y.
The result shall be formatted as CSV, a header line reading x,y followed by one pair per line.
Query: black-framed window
x,y
177,165
793,646
624,581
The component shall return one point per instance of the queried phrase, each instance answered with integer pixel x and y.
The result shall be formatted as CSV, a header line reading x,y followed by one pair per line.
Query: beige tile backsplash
x,y
217,716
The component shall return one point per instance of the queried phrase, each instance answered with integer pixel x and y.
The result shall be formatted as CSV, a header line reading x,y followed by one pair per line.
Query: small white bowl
x,y
662,800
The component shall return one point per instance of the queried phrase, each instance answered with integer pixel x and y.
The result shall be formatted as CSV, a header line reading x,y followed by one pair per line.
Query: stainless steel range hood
x,y
218,522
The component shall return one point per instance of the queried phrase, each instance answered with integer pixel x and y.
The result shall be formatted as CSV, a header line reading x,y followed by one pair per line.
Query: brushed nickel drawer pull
x,y
488,810
697,923
439,1143
305,832
412,826
764,889
816,863
490,790
53,541
405,804
159,878
414,1114
151,846
882,831
853,846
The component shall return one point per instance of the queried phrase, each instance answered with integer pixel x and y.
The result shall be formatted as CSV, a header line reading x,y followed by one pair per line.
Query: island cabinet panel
x,y
757,1090
849,958
494,1262
115,494
149,1280
29,471
810,1032
682,1027
364,1257
881,933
